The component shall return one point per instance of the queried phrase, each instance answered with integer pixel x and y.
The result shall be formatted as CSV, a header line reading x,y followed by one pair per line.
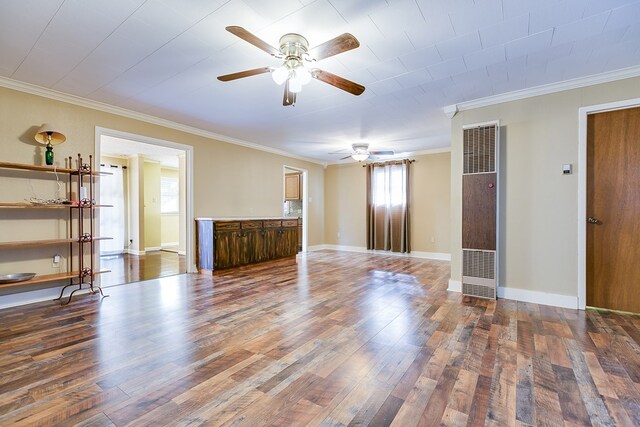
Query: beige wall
x,y
229,180
152,224
539,223
345,204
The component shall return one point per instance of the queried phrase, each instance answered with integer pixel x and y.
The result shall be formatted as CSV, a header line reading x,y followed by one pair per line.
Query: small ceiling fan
x,y
294,49
361,152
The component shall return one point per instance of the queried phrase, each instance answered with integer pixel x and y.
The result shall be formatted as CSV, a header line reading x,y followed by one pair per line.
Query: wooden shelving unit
x,y
80,239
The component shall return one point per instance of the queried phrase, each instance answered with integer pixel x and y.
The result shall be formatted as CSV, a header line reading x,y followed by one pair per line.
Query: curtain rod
x,y
389,162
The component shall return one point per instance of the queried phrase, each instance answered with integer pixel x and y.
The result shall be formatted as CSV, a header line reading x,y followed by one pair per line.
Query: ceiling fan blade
x,y
382,153
289,97
254,40
337,81
245,73
342,43
345,158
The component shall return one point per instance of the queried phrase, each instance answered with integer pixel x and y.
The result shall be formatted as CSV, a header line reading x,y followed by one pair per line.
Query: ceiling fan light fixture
x,y
360,157
303,74
280,74
295,85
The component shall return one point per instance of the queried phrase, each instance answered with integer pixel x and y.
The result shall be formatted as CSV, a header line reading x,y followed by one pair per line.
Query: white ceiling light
x,y
360,152
295,71
360,157
280,74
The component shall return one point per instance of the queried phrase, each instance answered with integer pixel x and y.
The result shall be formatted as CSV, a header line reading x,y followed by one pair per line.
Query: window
x,y
388,206
389,187
169,195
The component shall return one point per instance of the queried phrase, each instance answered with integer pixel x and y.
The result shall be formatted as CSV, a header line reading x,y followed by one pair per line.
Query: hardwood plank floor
x,y
127,268
335,339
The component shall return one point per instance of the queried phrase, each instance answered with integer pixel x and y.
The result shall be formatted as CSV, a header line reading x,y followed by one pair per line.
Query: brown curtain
x,y
388,206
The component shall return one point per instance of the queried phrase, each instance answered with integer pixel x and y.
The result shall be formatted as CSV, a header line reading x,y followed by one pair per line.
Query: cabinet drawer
x,y
251,225
227,226
272,224
290,223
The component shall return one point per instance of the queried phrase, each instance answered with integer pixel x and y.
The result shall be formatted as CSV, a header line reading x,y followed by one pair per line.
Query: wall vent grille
x,y
479,291
479,150
480,264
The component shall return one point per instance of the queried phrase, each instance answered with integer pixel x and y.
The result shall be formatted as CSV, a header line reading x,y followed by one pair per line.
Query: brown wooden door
x,y
479,211
613,210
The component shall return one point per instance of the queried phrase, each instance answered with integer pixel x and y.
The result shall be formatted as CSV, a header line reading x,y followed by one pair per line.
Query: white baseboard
x,y
544,298
523,295
169,244
361,249
455,286
134,252
153,248
182,253
440,256
316,248
40,295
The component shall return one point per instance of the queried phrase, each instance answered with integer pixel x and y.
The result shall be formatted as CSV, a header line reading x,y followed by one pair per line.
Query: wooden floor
x,y
336,339
127,268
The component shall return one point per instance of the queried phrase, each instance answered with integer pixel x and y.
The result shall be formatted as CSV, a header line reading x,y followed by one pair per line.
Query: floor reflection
x,y
127,268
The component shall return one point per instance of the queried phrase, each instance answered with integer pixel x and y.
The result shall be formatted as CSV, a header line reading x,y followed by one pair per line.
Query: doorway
x,y
609,204
151,199
295,188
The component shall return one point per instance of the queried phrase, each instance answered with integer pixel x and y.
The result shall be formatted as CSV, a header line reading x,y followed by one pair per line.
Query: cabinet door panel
x,y
292,186
271,239
227,252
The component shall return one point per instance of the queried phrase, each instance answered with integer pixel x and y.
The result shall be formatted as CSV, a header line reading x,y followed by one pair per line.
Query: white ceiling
x,y
161,57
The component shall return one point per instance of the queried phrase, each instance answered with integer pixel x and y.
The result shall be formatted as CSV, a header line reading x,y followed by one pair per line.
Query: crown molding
x,y
112,109
450,111
607,77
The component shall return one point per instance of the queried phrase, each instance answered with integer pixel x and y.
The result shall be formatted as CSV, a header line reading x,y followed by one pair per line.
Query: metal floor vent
x,y
479,273
479,291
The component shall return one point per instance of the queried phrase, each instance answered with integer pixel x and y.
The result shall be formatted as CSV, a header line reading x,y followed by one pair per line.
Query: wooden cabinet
x,y
80,218
288,240
292,186
227,245
230,243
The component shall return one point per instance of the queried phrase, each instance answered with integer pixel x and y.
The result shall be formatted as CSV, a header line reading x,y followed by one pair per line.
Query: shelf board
x,y
27,243
44,278
32,205
48,242
22,166
43,205
49,169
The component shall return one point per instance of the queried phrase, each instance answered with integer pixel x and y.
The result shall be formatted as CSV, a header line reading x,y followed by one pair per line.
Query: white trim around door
x,y
582,187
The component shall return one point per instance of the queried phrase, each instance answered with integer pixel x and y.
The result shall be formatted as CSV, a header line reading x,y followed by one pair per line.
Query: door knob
x,y
592,220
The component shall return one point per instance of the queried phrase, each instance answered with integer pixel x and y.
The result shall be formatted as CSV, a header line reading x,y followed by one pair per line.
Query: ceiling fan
x,y
361,152
294,50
